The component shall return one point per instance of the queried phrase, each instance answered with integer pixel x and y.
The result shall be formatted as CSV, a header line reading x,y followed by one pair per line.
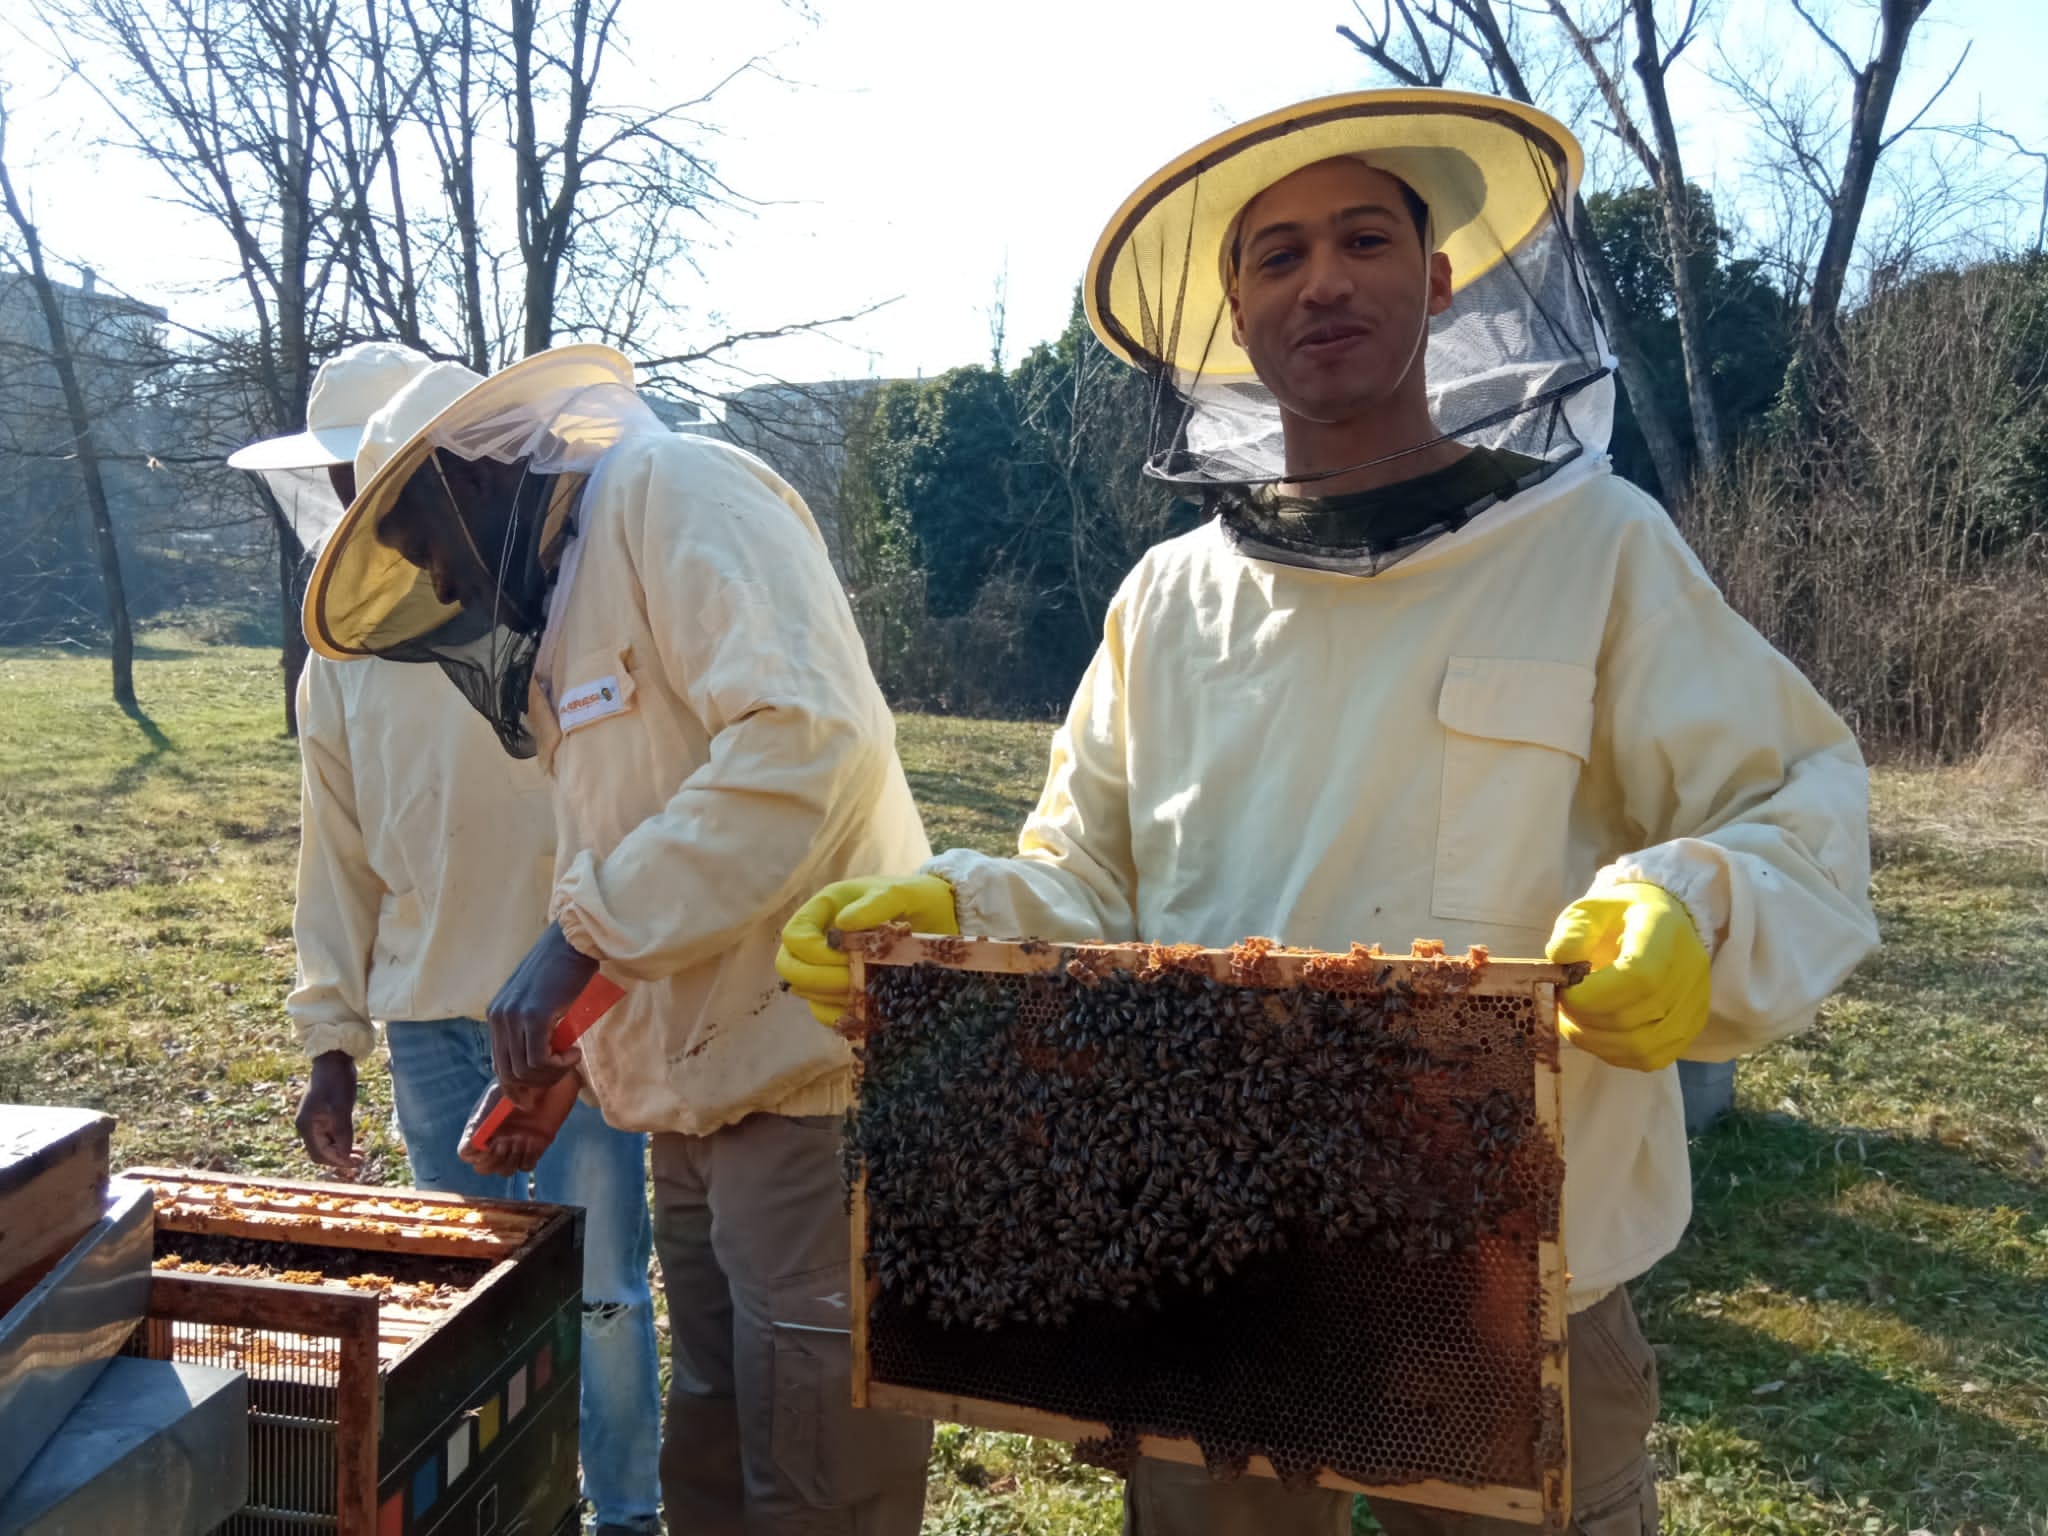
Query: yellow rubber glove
x,y
818,973
1646,998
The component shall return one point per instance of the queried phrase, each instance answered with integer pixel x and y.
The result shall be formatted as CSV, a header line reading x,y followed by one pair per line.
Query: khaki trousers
x,y
761,1438
1614,1489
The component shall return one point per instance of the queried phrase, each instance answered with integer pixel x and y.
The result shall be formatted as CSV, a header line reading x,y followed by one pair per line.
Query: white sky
x,y
934,148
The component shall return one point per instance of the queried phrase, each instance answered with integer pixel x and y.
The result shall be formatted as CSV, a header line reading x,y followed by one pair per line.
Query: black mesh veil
x,y
489,654
489,664
1517,362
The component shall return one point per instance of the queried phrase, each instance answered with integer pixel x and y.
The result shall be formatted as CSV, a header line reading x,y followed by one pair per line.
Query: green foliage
x,y
954,472
990,517
2005,461
1749,325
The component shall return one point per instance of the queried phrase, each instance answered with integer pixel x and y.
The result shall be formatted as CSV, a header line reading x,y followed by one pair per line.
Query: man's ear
x,y
1439,283
1236,316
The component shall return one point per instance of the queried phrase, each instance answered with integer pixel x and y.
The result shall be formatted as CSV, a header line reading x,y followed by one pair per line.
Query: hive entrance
x,y
1287,1213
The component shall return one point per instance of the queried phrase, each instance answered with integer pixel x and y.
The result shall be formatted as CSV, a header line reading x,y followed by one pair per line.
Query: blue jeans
x,y
439,1068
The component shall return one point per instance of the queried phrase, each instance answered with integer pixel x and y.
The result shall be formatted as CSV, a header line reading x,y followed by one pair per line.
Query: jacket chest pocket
x,y
1516,737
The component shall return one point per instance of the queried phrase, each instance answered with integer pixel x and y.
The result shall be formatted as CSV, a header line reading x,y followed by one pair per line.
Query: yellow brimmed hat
x,y
366,598
1491,171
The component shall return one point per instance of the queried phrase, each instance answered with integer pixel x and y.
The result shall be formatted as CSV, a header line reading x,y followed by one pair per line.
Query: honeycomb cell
x,y
1302,1219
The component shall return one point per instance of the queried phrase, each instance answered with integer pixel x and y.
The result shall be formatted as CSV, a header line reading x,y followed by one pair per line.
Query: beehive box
x,y
1288,1214
412,1358
53,1187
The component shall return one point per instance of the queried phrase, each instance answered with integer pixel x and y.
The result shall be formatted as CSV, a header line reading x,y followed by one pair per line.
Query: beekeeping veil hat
x,y
555,414
348,390
1516,362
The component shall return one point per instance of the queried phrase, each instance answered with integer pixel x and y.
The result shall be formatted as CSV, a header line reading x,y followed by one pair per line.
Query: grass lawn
x,y
1854,1336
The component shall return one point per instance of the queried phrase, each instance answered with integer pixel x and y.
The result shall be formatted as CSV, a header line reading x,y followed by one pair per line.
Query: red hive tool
x,y
592,1004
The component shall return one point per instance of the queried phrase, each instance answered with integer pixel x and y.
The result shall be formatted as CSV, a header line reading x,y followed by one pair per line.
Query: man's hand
x,y
818,973
518,1145
327,1114
1646,999
524,1012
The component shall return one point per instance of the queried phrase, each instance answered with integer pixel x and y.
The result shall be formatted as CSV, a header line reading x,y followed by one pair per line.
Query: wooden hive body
x,y
444,1401
1336,1353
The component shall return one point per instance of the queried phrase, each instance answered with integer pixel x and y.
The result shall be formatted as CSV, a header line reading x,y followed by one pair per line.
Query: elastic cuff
x,y
1674,867
577,932
563,911
950,867
354,1036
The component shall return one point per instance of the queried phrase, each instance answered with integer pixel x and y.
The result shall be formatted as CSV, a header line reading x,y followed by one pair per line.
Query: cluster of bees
x,y
1035,1145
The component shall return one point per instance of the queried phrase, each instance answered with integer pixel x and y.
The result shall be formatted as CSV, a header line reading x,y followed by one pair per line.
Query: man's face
x,y
1334,291
426,524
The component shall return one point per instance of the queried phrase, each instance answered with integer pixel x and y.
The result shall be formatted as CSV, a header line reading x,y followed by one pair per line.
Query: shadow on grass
x,y
151,731
1891,1266
134,775
1919,853
1753,1175
1840,1427
940,793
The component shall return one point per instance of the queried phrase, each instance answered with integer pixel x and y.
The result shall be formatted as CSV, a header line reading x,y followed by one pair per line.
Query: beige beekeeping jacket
x,y
1551,699
719,751
425,853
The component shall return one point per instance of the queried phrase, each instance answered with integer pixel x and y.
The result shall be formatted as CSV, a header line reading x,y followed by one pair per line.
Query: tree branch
x,y
1939,91
741,338
1821,32
1610,91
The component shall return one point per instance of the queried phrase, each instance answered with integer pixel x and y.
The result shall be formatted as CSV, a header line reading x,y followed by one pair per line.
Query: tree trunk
x,y
295,234
463,186
1635,373
292,571
1817,364
546,220
1681,241
1666,456
106,550
536,296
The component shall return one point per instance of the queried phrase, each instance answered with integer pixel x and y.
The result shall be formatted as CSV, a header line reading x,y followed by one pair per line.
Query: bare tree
x,y
1083,419
232,105
600,187
1683,232
454,80
371,84
107,552
1908,578
1805,136
1431,36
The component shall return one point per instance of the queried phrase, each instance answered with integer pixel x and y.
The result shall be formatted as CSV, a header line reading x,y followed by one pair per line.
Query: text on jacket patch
x,y
590,701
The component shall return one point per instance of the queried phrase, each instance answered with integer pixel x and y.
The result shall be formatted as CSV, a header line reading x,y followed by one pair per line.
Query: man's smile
x,y
1330,338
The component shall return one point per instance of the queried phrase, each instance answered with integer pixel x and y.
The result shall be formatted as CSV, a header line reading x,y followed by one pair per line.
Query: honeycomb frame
x,y
1539,1498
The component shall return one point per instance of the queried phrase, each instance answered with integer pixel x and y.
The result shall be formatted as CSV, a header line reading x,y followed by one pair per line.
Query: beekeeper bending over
x,y
425,857
662,621
1430,670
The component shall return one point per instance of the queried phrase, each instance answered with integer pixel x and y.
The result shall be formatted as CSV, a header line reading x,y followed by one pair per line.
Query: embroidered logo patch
x,y
590,701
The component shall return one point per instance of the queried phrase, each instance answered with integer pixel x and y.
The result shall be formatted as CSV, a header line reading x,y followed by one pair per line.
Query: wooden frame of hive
x,y
403,1382
1546,1502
